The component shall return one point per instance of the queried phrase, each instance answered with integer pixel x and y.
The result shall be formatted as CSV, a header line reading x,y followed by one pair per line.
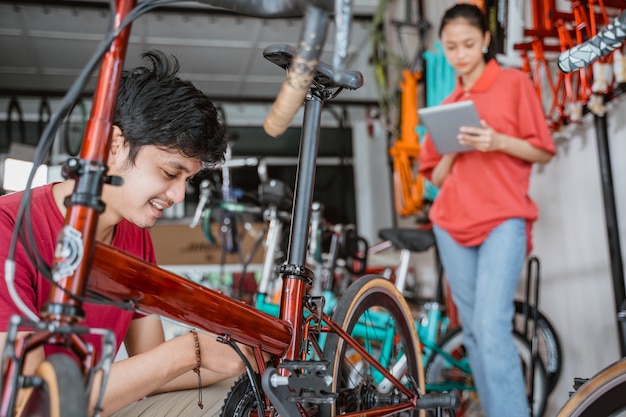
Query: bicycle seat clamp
x,y
298,271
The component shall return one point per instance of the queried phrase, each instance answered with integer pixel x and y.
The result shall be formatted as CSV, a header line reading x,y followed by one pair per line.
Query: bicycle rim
x,y
59,393
442,374
601,396
548,342
375,314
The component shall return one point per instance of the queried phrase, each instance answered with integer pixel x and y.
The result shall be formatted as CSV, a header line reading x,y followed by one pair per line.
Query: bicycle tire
x,y
56,394
548,342
601,396
439,371
369,296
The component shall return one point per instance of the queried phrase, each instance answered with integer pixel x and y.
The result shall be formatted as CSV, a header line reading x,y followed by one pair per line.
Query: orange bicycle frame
x,y
405,150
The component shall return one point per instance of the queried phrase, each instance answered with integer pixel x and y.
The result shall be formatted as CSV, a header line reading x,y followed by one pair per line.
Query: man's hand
x,y
221,358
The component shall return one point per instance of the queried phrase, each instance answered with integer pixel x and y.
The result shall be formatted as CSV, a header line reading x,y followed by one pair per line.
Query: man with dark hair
x,y
165,132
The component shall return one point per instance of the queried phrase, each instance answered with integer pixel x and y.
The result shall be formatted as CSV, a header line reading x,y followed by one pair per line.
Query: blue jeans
x,y
483,280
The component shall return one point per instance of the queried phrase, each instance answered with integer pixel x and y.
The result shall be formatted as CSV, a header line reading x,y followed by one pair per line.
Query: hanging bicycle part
x,y
14,109
408,184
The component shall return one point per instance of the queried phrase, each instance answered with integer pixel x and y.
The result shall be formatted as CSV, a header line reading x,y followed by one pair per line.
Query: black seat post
x,y
297,278
327,83
305,179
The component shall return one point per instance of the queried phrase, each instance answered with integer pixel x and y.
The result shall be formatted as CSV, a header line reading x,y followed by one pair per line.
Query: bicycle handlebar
x,y
312,37
300,73
595,48
259,8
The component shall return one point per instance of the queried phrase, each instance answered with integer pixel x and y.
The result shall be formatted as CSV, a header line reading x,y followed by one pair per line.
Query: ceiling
x,y
44,46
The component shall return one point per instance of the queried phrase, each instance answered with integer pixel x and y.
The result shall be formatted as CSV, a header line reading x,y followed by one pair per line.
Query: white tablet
x,y
443,123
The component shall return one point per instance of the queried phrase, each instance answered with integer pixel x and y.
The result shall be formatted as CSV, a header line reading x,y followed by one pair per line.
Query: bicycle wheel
x,y
377,316
548,343
601,396
442,374
58,390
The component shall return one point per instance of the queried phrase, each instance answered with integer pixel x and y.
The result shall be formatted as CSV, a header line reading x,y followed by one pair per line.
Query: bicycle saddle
x,y
415,240
282,54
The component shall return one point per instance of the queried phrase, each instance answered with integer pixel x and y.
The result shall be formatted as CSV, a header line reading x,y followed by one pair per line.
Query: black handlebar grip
x,y
595,48
448,400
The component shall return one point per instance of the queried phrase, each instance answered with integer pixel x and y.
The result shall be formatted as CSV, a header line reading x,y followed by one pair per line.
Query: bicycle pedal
x,y
307,387
440,401
304,365
313,398
308,382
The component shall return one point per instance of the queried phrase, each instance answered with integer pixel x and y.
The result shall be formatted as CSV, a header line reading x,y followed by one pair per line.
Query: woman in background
x,y
482,216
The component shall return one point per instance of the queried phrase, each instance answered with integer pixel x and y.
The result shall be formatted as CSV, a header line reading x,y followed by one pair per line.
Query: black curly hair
x,y
155,107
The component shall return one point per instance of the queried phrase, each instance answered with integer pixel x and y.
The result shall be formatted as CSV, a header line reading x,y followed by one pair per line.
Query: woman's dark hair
x,y
472,14
155,107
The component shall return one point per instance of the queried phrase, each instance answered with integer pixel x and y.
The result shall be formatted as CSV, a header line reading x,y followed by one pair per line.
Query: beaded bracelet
x,y
197,368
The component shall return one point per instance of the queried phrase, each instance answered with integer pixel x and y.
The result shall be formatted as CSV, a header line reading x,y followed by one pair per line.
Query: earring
x,y
485,49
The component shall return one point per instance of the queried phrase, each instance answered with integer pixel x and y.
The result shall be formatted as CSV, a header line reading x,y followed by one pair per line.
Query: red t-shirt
x,y
483,189
34,288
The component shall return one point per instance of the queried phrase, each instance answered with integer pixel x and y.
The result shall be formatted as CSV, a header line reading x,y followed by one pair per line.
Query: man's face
x,y
155,182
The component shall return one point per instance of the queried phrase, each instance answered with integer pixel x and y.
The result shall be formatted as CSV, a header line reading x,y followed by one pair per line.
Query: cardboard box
x,y
178,244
